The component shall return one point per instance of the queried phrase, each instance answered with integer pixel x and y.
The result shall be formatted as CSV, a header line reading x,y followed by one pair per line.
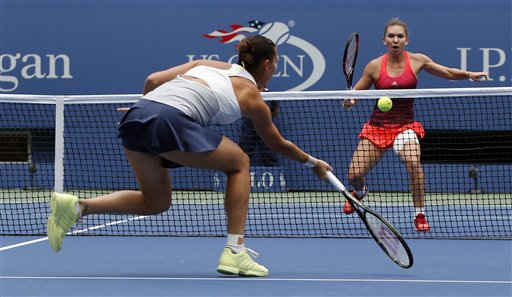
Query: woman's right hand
x,y
349,103
321,168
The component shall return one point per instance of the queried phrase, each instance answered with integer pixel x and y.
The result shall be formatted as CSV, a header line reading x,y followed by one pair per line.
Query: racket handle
x,y
335,181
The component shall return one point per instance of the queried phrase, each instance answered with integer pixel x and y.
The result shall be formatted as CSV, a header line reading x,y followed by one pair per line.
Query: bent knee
x,y
238,163
413,163
158,209
158,206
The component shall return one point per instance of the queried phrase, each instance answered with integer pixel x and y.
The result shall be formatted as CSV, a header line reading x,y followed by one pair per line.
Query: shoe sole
x,y
52,227
228,270
53,204
236,271
55,233
53,238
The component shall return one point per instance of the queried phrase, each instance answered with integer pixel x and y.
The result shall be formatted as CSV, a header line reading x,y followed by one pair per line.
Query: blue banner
x,y
109,47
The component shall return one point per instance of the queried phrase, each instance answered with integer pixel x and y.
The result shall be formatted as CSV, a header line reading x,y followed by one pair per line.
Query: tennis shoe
x,y
420,223
63,216
241,263
347,208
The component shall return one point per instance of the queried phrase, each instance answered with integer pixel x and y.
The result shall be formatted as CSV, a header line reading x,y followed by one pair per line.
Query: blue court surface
x,y
185,266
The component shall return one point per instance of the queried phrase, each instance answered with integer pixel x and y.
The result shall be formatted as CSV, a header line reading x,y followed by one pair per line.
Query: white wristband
x,y
311,162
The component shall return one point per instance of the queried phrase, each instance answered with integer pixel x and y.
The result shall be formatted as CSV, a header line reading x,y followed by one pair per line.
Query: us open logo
x,y
300,62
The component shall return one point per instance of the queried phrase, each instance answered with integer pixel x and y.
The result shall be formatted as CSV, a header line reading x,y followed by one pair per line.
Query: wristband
x,y
311,162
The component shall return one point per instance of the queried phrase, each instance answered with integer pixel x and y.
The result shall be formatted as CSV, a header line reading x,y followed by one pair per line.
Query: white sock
x,y
78,210
361,192
235,243
419,210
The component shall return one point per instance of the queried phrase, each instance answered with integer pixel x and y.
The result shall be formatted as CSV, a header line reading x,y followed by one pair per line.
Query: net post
x,y
59,145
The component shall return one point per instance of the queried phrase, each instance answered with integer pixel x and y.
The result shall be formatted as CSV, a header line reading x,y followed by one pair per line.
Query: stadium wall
x,y
109,47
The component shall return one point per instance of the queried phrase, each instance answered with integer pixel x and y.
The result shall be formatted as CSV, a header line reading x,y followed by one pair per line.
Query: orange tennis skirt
x,y
383,138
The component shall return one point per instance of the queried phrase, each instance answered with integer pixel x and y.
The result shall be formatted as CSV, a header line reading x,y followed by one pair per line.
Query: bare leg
x,y
365,157
154,197
411,155
155,194
230,159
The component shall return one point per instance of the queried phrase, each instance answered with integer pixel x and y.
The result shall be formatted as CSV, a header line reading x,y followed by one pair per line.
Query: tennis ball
x,y
384,103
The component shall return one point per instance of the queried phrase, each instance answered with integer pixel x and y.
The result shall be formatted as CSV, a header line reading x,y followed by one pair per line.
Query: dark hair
x,y
253,50
396,22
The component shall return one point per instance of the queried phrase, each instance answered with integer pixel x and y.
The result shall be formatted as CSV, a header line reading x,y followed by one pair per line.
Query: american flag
x,y
236,33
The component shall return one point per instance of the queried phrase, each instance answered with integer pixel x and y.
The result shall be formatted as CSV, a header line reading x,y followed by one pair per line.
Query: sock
x,y
78,210
419,210
361,192
235,243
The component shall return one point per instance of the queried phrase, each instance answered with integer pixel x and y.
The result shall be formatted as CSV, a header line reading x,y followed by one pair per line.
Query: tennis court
x,y
296,221
337,261
66,66
185,266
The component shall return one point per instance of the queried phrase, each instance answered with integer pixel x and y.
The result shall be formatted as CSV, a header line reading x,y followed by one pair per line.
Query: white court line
x,y
22,244
440,281
71,233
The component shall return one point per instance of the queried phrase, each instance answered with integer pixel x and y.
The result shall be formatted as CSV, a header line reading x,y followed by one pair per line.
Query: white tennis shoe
x,y
241,263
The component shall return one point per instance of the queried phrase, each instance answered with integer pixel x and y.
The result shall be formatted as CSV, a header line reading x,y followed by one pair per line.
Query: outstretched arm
x,y
256,110
450,73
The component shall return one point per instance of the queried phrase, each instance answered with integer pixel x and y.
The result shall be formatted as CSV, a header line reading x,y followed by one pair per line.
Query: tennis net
x,y
70,144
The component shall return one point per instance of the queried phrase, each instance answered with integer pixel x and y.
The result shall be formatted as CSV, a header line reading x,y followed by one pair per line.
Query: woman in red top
x,y
397,69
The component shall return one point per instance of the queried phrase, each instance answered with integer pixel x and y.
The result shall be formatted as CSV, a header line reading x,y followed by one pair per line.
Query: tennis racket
x,y
350,58
386,236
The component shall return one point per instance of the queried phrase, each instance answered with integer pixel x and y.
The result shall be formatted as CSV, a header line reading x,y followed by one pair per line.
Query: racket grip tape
x,y
335,181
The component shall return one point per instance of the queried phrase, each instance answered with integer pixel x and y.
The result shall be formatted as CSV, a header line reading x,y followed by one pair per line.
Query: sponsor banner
x,y
109,47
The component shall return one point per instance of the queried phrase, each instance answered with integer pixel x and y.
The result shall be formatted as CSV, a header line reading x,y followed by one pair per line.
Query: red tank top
x,y
402,112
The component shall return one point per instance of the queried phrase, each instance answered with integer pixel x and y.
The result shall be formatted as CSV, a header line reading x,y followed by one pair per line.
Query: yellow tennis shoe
x,y
64,215
241,263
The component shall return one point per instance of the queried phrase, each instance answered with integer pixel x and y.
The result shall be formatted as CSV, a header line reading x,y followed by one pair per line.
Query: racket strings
x,y
388,240
349,58
351,55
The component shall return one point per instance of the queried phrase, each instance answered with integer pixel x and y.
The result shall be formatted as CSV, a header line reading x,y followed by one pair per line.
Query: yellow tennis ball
x,y
384,103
